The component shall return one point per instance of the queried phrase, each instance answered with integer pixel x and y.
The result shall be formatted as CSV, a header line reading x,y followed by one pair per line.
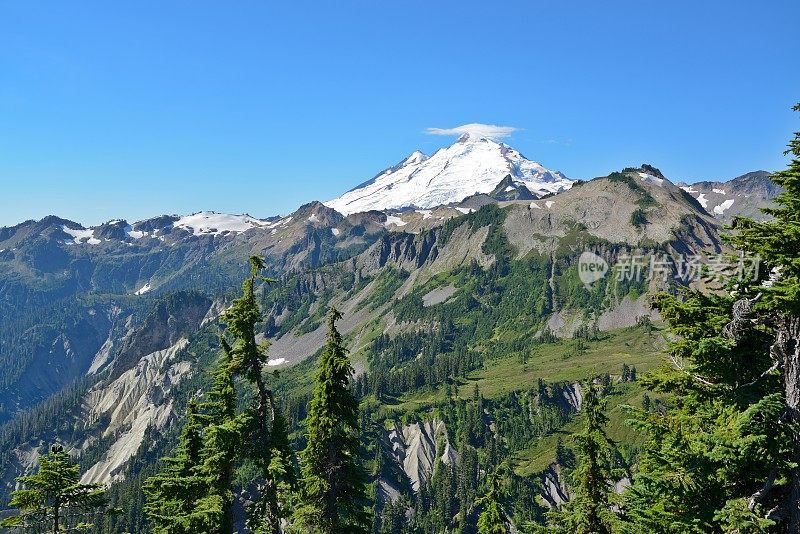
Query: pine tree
x,y
267,441
54,500
589,511
493,519
172,495
333,482
724,454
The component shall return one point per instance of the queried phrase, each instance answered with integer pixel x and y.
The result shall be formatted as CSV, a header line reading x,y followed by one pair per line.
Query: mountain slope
x,y
744,196
428,297
471,165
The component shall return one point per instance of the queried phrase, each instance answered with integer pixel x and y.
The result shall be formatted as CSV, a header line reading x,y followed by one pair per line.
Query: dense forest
x,y
314,448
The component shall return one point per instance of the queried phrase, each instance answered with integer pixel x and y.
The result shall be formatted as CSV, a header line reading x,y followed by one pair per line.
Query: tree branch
x,y
760,494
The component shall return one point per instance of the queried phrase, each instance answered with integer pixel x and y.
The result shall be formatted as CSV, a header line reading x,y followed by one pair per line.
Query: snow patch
x,y
549,203
134,234
212,223
334,231
81,236
650,179
703,200
719,210
534,206
465,210
689,189
276,361
144,289
719,191
394,220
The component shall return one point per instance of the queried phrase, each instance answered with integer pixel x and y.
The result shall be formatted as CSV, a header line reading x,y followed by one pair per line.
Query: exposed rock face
x,y
564,324
173,318
605,208
554,489
131,404
507,189
414,448
573,394
25,457
627,313
438,295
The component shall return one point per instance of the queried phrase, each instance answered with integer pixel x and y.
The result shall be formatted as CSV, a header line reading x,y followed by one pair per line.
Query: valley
x,y
447,309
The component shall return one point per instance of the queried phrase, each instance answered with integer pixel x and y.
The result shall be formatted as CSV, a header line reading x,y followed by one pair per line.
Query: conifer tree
x,y
777,243
54,500
222,448
267,441
493,519
589,510
723,455
333,482
174,493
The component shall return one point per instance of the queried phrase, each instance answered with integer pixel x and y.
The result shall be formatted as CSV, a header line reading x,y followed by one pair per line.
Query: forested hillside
x,y
460,378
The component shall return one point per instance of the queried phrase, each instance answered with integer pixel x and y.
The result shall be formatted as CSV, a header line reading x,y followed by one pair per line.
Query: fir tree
x,y
493,519
222,448
173,494
333,482
777,243
626,373
589,510
54,500
723,455
267,443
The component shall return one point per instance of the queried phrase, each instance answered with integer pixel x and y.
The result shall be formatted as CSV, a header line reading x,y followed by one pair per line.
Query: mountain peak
x,y
474,164
467,137
414,158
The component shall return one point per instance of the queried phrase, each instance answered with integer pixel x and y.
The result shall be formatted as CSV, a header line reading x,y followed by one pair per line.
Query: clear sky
x,y
132,109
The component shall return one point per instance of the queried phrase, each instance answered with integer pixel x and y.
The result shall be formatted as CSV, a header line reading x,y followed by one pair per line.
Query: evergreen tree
x,y
468,470
267,443
724,455
393,518
777,243
194,492
222,448
54,500
565,457
589,510
173,494
493,519
333,483
626,373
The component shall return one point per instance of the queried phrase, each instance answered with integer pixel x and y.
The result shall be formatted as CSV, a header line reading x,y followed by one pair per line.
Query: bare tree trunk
x,y
787,350
56,516
266,416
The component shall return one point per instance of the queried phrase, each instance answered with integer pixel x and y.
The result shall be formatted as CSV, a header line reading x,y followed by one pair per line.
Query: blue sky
x,y
133,109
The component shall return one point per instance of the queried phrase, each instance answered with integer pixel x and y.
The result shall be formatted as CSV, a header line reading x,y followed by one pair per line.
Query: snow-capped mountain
x,y
472,165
